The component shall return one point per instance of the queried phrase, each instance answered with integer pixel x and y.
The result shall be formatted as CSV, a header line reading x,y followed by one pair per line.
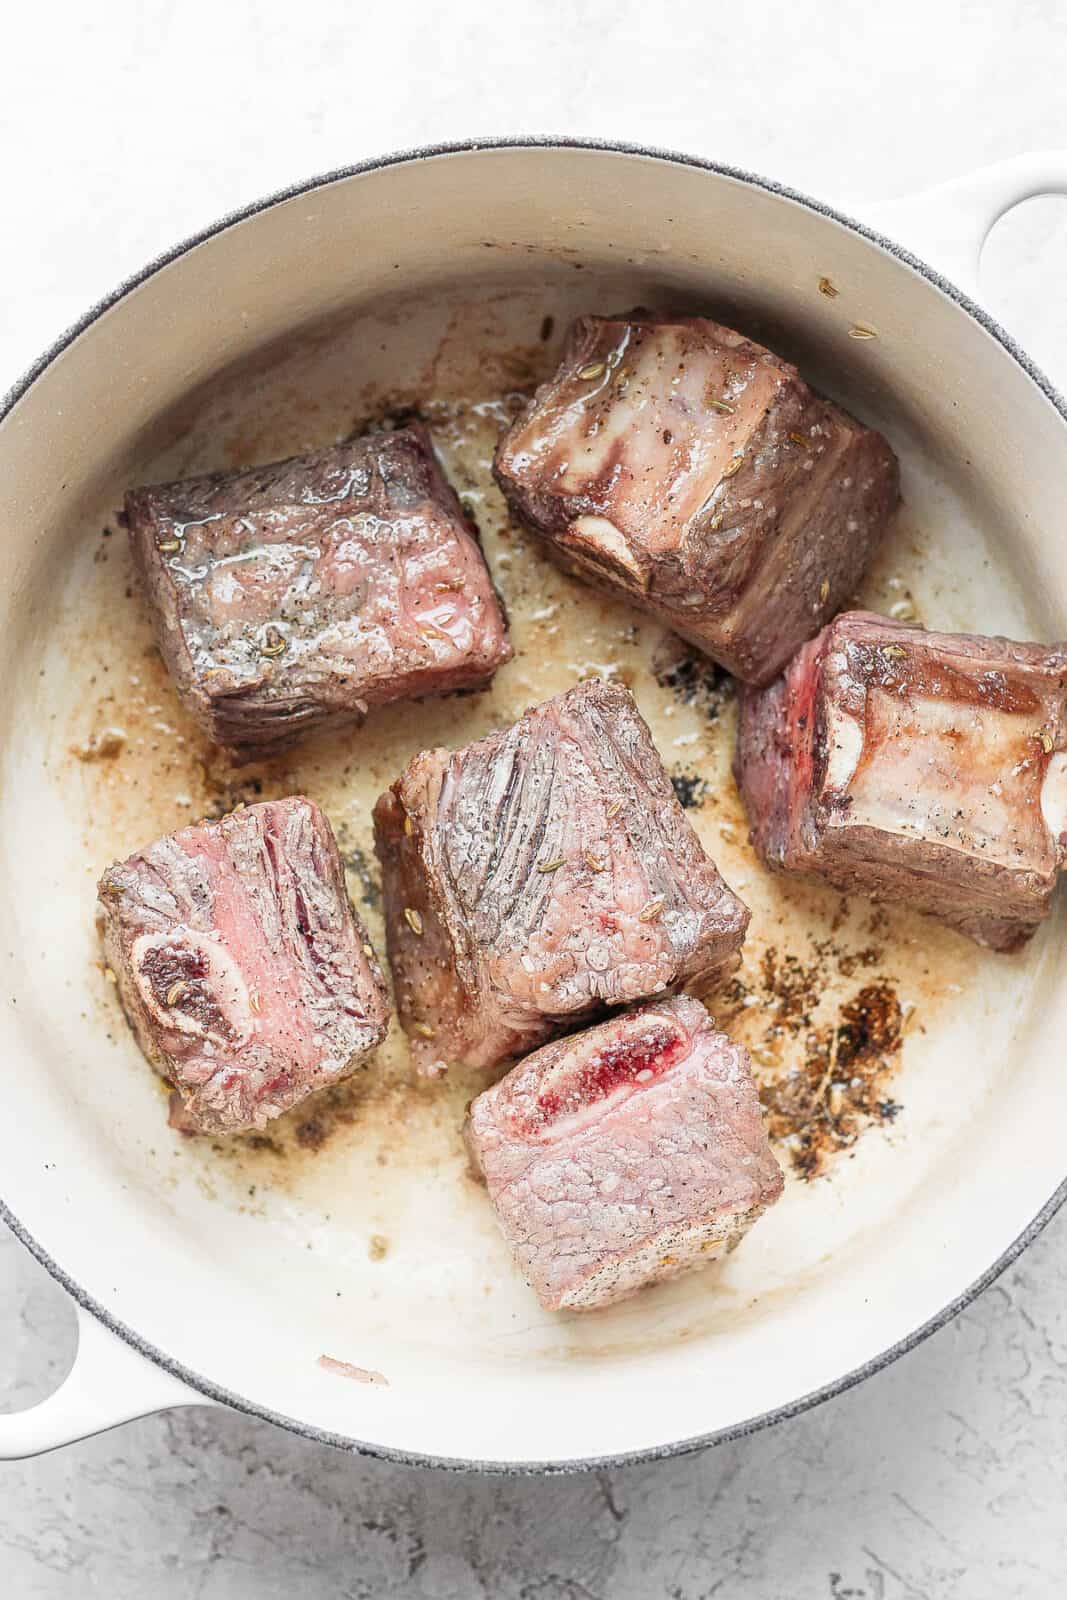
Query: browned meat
x,y
244,972
299,594
540,876
697,473
625,1154
928,768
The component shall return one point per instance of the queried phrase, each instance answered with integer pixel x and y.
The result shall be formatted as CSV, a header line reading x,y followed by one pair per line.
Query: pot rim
x,y
848,1380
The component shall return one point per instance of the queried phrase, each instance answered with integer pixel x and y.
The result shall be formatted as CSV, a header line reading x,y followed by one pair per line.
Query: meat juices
x,y
626,1154
294,595
694,471
541,876
927,768
246,975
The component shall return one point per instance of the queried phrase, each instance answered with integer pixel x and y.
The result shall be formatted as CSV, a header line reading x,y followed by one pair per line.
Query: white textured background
x,y
124,126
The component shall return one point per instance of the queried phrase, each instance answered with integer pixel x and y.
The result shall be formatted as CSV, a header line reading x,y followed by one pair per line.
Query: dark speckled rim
x,y
213,1391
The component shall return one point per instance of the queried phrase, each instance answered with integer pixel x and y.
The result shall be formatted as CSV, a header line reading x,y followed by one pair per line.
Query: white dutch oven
x,y
186,1297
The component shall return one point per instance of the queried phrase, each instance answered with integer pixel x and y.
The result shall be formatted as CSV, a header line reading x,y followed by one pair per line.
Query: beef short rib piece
x,y
697,473
541,876
927,768
625,1154
246,976
298,594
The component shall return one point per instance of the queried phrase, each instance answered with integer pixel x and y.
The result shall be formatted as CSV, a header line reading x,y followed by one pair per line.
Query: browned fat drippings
x,y
311,1133
377,1107
821,1080
102,746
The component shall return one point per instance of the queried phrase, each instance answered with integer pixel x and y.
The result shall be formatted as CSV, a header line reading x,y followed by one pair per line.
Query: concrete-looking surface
x,y
945,1477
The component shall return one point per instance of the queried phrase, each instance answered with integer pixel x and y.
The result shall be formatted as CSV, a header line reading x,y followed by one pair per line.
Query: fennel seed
x,y
275,644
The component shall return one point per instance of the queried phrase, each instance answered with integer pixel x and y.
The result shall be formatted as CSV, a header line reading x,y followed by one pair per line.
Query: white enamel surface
x,y
247,1295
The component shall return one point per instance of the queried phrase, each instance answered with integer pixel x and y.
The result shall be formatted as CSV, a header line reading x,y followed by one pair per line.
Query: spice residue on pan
x,y
229,790
691,677
373,1103
690,789
823,1069
362,874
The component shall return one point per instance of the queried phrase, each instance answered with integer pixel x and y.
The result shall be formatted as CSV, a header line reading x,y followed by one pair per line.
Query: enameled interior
x,y
352,1223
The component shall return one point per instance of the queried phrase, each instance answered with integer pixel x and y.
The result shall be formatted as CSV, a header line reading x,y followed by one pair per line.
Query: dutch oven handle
x,y
946,226
109,1383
